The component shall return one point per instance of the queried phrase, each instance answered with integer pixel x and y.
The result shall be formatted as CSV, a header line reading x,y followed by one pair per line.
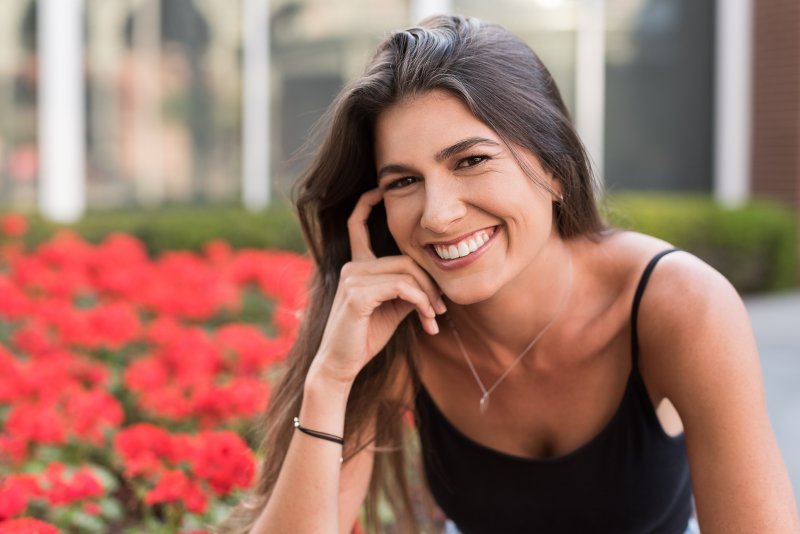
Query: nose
x,y
443,205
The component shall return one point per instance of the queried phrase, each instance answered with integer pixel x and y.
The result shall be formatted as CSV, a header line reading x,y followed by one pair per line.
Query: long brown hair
x,y
505,85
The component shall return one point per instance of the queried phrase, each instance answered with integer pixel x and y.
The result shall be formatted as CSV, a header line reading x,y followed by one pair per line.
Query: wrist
x,y
321,383
324,404
322,376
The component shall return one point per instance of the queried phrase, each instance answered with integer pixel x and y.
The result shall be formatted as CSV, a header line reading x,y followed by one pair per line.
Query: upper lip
x,y
461,237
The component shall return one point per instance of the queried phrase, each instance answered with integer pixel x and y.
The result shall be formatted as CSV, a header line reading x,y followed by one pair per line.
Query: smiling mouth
x,y
465,247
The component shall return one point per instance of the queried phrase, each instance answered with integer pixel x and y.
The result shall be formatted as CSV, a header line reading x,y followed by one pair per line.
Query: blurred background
x,y
670,95
180,121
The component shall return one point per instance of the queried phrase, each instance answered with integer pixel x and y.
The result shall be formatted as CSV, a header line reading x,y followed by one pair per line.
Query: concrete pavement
x,y
776,324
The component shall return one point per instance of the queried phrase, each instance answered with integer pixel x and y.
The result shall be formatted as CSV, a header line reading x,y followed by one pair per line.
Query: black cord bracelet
x,y
317,434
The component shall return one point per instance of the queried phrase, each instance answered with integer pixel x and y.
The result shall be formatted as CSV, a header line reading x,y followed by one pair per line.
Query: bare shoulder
x,y
691,322
690,319
682,289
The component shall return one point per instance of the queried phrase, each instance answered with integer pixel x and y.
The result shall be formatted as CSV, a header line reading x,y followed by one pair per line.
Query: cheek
x,y
399,220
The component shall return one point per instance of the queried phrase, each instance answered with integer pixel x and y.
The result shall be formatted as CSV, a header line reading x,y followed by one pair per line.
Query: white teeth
x,y
464,247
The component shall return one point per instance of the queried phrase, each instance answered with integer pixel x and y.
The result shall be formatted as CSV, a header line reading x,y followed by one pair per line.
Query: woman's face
x,y
456,200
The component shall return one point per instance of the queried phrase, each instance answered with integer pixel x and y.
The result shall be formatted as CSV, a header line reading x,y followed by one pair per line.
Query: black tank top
x,y
632,477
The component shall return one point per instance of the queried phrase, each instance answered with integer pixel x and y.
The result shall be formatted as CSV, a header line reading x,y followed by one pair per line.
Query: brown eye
x,y
401,182
471,161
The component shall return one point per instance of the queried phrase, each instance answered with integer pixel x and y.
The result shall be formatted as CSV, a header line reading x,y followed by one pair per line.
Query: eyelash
x,y
479,157
395,184
408,180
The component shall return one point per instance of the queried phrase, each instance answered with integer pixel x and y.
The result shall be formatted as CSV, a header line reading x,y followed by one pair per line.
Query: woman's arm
x,y
373,296
314,492
697,344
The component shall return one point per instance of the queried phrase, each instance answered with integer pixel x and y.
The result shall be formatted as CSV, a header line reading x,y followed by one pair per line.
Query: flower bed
x,y
128,385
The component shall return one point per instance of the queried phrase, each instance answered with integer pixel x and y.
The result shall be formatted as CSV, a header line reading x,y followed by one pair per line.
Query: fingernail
x,y
441,306
435,326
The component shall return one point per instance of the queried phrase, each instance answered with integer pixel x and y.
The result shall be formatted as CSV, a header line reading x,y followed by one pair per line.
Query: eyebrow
x,y
441,155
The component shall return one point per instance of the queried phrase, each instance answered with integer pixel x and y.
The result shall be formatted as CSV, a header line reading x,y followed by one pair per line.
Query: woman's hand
x,y
373,297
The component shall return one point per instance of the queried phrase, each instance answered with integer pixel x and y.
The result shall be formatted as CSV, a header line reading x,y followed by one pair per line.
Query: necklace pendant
x,y
484,403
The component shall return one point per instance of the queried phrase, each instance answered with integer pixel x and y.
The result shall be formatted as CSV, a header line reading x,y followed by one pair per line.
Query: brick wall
x,y
776,100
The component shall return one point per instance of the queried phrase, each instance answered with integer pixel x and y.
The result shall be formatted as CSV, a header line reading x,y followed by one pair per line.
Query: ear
x,y
556,187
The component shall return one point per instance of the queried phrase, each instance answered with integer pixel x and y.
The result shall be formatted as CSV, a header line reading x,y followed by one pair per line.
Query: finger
x,y
360,248
405,264
381,288
375,290
409,292
430,325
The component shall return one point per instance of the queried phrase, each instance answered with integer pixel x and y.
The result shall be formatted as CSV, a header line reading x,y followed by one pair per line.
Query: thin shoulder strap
x,y
638,297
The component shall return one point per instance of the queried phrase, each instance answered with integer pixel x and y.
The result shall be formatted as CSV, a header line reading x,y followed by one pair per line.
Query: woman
x,y
463,271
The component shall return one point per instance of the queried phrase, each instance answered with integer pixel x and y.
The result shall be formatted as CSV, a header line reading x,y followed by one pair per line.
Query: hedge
x,y
187,227
755,246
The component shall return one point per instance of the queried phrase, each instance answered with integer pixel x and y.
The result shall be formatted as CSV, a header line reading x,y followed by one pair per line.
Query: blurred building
x,y
676,95
776,101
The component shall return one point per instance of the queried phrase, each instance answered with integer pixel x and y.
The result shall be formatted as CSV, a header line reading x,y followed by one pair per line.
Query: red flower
x,y
10,377
13,301
248,350
11,502
146,449
70,323
186,286
175,486
38,423
13,449
169,402
218,252
33,338
143,447
66,300
91,413
191,357
58,268
223,460
163,329
64,490
120,267
13,225
145,374
27,525
15,492
113,325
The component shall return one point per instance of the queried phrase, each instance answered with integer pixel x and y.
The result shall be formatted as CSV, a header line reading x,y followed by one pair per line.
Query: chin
x,y
464,296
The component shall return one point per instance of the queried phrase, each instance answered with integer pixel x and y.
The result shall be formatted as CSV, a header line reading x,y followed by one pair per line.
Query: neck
x,y
504,325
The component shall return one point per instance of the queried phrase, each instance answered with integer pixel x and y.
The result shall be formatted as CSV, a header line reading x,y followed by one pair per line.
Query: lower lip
x,y
466,260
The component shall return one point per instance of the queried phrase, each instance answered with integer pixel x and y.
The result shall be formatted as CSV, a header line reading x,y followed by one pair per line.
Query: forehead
x,y
422,125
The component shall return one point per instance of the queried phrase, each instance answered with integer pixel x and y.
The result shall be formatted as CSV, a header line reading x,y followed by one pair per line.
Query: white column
x,y
256,181
149,174
62,150
732,120
590,79
420,9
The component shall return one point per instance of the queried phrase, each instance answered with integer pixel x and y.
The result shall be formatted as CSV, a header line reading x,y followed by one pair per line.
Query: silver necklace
x,y
484,403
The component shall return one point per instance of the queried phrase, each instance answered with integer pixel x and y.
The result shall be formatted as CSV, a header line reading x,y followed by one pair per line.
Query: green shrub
x,y
187,227
754,246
